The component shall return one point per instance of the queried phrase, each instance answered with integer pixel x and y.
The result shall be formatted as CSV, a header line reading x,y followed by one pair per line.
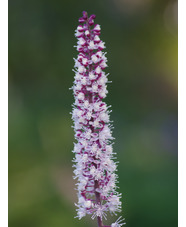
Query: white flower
x,y
81,213
96,123
118,222
100,212
95,88
98,175
114,204
84,157
98,153
102,80
87,32
94,148
82,41
78,86
78,76
91,45
78,34
97,27
77,125
98,70
103,107
80,28
77,148
103,64
105,134
81,96
89,115
92,76
82,184
94,58
109,149
81,69
99,53
84,81
114,199
82,120
86,104
84,61
96,38
102,93
88,134
79,112
87,203
84,143
97,106
104,117
81,199
92,170
101,45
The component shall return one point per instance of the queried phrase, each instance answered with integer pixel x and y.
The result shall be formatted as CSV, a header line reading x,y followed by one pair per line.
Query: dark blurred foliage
x,y
141,40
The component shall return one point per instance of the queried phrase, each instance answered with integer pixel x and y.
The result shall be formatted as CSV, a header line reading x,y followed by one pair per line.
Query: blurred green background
x,y
141,40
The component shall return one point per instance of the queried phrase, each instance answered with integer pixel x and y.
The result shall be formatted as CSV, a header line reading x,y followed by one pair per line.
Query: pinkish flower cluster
x,y
94,165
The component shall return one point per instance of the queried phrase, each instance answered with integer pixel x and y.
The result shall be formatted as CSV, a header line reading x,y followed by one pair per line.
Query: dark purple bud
x,y
93,16
91,21
81,20
85,26
85,15
96,33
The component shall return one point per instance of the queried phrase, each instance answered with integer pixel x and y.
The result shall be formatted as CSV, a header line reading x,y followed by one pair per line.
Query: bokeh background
x,y
141,40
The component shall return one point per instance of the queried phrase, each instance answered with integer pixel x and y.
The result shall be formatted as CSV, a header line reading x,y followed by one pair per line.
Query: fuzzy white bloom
x,y
118,222
94,165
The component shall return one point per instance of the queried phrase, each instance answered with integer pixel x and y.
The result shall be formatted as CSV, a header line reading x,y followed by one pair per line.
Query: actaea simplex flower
x,y
94,164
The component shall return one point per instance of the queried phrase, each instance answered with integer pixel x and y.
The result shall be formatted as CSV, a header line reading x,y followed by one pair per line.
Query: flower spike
x,y
93,162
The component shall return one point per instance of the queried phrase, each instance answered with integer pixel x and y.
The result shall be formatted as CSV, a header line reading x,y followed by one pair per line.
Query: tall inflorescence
x,y
94,165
